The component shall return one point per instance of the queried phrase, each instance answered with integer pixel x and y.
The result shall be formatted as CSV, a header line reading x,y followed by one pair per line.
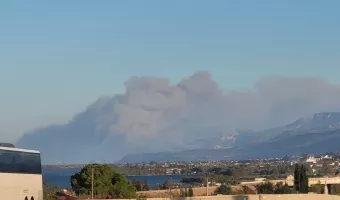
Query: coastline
x,y
62,176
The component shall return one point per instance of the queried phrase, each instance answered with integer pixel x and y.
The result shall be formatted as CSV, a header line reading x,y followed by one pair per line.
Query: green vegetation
x,y
246,190
281,188
317,188
140,185
167,184
232,173
192,180
106,182
265,188
223,179
335,189
109,183
224,190
50,193
269,188
300,178
186,192
141,197
191,192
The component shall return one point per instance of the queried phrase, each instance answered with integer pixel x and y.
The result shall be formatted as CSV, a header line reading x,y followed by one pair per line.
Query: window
x,y
19,162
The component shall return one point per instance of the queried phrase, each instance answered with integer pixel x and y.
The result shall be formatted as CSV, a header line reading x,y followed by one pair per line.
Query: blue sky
x,y
58,57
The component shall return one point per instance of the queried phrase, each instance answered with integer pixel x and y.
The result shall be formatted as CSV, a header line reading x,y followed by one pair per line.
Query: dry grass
x,y
200,191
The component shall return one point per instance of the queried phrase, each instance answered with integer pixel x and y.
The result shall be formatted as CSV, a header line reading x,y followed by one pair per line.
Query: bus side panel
x,y
40,195
19,186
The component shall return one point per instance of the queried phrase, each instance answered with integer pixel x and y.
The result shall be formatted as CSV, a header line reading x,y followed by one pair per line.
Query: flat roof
x,y
18,149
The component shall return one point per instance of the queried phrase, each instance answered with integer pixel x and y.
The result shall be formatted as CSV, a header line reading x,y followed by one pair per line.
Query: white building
x,y
311,159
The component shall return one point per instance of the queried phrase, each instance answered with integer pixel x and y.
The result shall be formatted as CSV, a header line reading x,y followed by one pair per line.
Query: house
x,y
311,159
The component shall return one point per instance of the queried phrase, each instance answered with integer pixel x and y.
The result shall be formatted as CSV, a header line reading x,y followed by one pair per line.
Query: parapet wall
x,y
259,197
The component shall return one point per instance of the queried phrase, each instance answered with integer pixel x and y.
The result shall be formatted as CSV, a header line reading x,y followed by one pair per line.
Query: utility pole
x,y
170,185
207,182
92,177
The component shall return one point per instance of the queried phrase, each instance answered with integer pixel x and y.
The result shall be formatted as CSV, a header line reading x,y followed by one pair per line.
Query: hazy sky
x,y
58,57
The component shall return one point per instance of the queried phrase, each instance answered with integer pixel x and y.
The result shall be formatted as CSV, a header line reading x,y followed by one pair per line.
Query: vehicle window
x,y
19,162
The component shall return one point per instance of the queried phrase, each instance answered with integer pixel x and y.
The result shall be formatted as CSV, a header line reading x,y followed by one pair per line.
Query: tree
x,y
245,190
153,163
297,177
167,184
300,178
190,192
281,188
227,180
122,188
50,193
197,170
304,180
265,188
106,182
317,188
140,185
223,189
184,192
192,180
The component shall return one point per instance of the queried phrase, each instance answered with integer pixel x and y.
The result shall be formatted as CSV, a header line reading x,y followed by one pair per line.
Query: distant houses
x,y
172,171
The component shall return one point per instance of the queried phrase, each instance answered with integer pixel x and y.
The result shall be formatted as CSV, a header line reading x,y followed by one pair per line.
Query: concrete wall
x,y
257,197
290,182
333,180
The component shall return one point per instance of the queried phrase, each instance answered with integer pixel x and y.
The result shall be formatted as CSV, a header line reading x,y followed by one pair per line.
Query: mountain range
x,y
318,134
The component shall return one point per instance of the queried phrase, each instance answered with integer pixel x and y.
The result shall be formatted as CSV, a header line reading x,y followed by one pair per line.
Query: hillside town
x,y
318,165
246,176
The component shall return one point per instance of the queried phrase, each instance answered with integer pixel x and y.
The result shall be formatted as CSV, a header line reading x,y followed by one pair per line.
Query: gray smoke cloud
x,y
196,108
153,115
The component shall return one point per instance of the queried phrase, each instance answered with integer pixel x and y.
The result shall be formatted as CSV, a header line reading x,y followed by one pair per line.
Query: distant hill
x,y
60,144
187,155
320,122
316,135
296,144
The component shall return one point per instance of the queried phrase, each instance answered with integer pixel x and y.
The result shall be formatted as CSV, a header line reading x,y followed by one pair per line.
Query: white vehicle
x,y
20,174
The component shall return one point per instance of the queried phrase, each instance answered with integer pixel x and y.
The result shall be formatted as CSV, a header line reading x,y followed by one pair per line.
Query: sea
x,y
61,177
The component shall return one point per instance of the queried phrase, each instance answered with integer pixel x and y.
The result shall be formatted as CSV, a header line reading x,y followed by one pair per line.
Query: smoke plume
x,y
153,115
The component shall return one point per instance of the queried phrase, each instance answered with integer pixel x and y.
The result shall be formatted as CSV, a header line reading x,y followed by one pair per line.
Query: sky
x,y
58,57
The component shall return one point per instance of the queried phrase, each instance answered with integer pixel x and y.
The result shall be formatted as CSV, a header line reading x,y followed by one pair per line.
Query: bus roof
x,y
6,145
18,149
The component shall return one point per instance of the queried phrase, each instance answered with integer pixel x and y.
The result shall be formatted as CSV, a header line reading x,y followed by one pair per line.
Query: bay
x,y
61,177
